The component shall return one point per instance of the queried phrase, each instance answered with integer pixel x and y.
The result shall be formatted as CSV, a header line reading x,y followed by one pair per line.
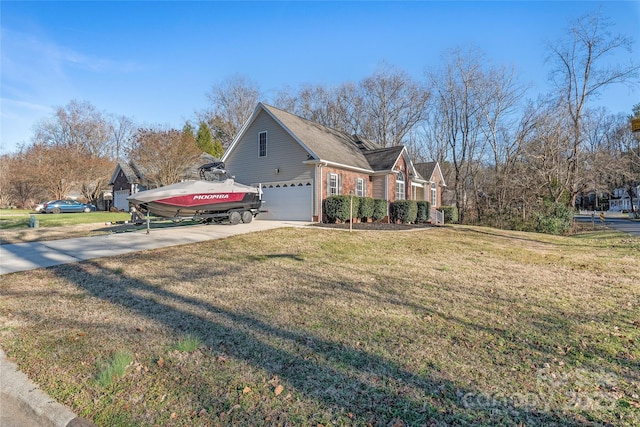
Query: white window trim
x,y
434,194
400,187
362,192
266,144
338,184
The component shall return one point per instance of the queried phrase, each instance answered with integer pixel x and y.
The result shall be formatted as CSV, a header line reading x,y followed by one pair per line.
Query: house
x,y
433,174
129,178
299,163
625,199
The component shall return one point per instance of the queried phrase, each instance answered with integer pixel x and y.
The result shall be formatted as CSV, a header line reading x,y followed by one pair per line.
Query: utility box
x,y
33,222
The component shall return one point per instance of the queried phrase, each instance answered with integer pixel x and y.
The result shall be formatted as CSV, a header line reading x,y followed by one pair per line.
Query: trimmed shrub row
x,y
337,208
405,211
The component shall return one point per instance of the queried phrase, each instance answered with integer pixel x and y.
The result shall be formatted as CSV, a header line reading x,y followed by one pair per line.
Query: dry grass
x,y
451,326
23,235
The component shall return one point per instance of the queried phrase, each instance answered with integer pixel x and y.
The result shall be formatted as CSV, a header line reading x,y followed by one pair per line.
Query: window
x,y
360,188
400,192
434,195
262,144
334,185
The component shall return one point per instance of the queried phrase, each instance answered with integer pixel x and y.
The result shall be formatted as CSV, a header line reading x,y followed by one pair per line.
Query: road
x,y
617,222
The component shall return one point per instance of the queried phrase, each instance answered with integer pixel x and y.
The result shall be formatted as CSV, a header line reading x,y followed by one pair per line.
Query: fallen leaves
x,y
278,390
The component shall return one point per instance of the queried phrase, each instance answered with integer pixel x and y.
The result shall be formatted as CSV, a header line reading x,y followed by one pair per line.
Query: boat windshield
x,y
214,172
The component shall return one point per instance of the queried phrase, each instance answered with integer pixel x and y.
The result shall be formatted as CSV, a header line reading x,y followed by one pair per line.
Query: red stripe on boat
x,y
190,200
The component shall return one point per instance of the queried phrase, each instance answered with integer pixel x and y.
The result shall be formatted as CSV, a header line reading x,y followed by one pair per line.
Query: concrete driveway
x,y
28,256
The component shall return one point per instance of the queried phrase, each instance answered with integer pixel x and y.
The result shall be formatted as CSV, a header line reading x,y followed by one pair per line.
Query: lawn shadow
x,y
342,379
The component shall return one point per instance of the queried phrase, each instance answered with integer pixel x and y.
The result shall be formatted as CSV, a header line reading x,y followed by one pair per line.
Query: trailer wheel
x,y
247,217
235,218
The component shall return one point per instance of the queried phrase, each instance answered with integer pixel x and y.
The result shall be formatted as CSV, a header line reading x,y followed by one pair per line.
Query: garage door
x,y
291,203
120,200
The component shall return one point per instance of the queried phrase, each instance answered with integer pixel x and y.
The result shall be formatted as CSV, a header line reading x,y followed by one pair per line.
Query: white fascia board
x,y
243,130
443,184
338,165
117,170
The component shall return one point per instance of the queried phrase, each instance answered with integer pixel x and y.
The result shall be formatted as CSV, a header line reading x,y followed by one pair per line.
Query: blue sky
x,y
155,61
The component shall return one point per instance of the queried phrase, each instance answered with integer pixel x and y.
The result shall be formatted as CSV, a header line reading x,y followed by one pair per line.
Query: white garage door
x,y
292,203
120,200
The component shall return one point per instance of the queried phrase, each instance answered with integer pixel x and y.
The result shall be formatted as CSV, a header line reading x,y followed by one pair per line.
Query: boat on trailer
x,y
215,197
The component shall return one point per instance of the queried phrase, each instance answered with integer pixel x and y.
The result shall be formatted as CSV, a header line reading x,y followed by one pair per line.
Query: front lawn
x,y
11,219
448,326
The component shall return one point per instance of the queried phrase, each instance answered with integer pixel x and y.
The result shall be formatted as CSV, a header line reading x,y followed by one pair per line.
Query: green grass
x,y
187,344
12,219
114,369
449,326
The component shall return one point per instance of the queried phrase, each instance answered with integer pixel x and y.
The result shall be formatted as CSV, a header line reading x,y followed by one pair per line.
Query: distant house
x,y
625,200
129,177
299,163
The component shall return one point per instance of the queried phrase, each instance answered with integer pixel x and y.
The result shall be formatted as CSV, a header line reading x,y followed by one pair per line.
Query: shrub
x,y
404,211
365,208
339,207
379,209
424,211
555,219
450,214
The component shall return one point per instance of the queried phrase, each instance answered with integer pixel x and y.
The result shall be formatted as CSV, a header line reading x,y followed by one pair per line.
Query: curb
x,y
22,396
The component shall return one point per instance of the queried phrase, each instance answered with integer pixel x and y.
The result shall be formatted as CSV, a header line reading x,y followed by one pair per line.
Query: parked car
x,y
58,206
41,206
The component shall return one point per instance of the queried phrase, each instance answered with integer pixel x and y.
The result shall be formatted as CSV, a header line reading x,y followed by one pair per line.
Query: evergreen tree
x,y
204,140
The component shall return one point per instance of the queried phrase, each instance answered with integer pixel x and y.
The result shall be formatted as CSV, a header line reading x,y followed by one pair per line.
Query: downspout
x,y
319,185
386,195
319,191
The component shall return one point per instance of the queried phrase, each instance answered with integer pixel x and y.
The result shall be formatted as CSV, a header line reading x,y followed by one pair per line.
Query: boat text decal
x,y
191,200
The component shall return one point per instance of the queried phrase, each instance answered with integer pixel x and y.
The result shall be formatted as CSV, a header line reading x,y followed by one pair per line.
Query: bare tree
x,y
165,155
122,130
232,103
579,73
384,107
505,131
327,106
57,169
392,105
79,126
455,115
73,150
545,154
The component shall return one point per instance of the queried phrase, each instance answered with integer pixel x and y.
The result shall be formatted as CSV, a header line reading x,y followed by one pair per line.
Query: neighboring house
x,y
129,178
621,201
299,163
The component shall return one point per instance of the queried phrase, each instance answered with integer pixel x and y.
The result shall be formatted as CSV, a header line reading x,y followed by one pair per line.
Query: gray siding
x,y
283,153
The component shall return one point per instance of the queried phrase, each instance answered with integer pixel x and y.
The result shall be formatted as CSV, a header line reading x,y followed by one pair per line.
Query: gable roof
x,y
128,171
327,145
384,159
427,170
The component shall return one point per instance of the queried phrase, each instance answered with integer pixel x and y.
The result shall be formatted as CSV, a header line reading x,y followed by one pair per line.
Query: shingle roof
x,y
332,145
128,171
425,169
383,159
